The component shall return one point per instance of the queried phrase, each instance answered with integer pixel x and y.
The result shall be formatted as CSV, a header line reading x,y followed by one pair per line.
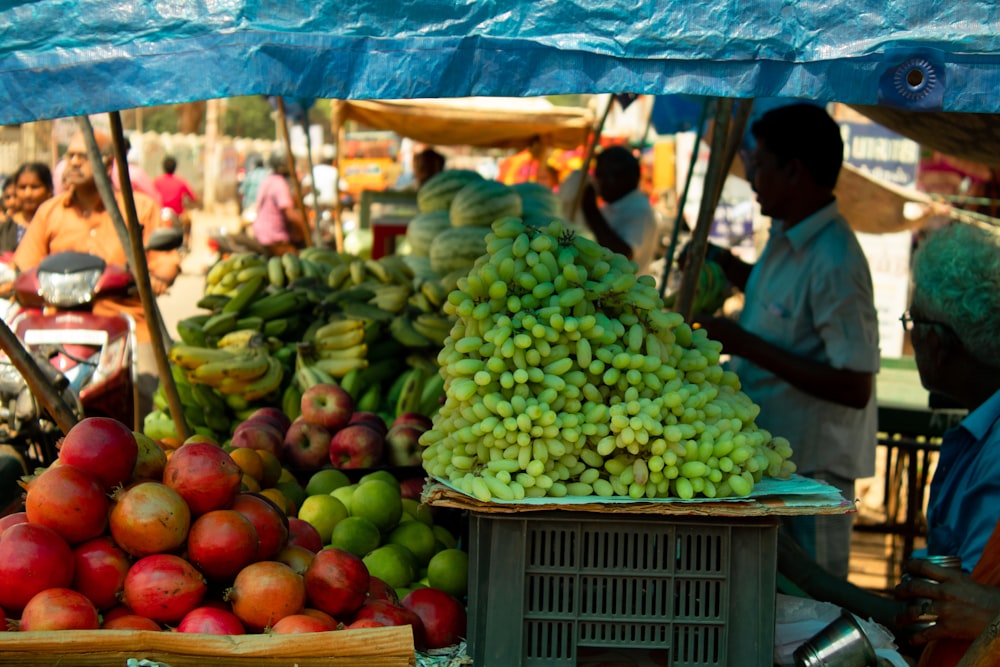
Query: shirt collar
x,y
979,421
801,234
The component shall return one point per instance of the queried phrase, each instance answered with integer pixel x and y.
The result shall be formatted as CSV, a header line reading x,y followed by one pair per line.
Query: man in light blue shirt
x,y
806,345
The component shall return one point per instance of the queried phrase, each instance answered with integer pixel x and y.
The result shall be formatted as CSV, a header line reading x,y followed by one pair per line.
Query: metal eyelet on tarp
x,y
912,79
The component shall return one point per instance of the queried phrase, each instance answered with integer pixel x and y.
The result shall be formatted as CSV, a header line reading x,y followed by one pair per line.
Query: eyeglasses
x,y
908,321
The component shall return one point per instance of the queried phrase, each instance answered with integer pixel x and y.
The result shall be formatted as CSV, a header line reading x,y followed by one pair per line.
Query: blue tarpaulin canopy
x,y
67,57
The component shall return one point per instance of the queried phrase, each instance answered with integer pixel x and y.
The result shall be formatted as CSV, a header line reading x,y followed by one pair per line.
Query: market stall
x,y
915,56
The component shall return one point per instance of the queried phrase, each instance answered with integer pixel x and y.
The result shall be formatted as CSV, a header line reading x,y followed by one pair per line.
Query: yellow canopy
x,y
496,122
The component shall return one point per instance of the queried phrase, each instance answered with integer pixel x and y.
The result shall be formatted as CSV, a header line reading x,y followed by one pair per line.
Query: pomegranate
x,y
70,501
296,557
221,543
33,558
130,622
99,571
104,447
11,519
379,590
297,623
270,522
337,582
304,534
390,614
116,612
211,621
59,609
264,593
323,616
443,616
204,475
163,587
149,518
365,623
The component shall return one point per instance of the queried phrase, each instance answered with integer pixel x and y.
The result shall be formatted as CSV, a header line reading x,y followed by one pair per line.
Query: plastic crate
x,y
543,585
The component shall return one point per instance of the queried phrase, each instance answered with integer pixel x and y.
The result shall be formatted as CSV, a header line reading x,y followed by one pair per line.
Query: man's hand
x,y
733,337
963,607
159,286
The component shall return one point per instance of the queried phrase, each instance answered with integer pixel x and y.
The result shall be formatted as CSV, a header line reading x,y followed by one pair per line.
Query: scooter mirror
x,y
165,238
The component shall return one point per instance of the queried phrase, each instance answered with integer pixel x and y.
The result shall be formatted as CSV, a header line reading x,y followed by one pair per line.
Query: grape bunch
x,y
564,375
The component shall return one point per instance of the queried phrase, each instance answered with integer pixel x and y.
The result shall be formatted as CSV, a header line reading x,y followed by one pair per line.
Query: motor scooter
x,y
89,358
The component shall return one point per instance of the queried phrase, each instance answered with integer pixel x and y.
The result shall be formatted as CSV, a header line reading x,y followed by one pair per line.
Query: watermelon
x,y
457,248
422,229
537,200
479,204
436,194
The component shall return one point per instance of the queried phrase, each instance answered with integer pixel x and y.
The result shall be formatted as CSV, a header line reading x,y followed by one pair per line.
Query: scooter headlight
x,y
65,290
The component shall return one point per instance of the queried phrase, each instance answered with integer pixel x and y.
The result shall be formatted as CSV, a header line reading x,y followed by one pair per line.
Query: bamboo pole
x,y
585,167
337,126
706,211
296,185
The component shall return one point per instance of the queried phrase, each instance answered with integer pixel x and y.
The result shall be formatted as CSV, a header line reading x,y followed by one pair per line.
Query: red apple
x,y
306,445
415,419
369,419
327,405
443,616
356,446
389,614
274,414
11,519
302,533
403,445
258,434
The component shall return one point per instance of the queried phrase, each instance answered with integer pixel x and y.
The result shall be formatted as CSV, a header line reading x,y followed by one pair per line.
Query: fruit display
x,y
710,293
278,326
183,545
564,375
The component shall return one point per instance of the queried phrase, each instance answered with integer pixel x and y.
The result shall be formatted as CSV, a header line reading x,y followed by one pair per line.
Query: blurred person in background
x,y
625,223
278,224
31,185
8,228
254,173
173,190
140,180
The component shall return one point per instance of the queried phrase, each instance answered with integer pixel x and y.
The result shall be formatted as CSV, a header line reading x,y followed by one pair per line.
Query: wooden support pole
x,y
293,173
595,138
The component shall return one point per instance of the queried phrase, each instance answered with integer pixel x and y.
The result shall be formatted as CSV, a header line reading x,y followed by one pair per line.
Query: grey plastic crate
x,y
543,585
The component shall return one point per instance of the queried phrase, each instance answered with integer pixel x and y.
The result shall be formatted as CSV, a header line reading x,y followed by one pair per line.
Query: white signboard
x,y
889,259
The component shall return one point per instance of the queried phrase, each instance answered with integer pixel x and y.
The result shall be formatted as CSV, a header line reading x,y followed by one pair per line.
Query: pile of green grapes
x,y
564,376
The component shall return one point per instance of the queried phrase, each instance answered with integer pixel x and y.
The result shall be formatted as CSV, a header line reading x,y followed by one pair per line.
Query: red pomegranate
x,y
264,593
33,558
99,571
204,475
323,616
130,622
304,534
389,614
104,447
149,518
442,615
337,582
163,587
379,590
296,557
9,520
297,623
70,501
59,609
221,543
270,522
211,621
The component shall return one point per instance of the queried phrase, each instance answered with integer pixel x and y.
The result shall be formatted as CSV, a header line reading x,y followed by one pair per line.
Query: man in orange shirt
x,y
77,220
